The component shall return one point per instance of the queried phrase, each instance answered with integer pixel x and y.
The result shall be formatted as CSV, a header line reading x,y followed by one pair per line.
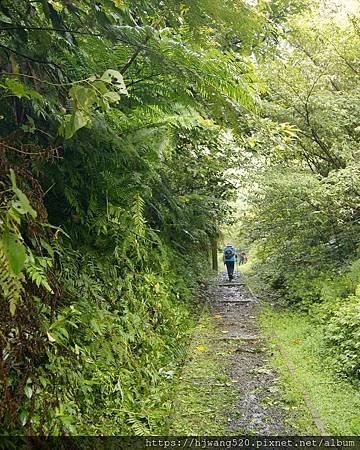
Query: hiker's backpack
x,y
229,253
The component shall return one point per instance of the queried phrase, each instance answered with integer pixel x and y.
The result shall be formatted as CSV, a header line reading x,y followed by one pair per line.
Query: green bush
x,y
343,334
337,313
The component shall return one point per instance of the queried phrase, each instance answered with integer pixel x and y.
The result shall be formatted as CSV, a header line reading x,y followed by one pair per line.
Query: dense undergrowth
x,y
119,122
97,355
332,303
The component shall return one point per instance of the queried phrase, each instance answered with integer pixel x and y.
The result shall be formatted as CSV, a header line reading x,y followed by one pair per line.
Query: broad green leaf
x,y
83,97
63,331
24,203
28,391
14,251
50,337
100,86
47,247
111,76
67,129
13,178
23,418
73,123
114,77
16,87
43,381
80,120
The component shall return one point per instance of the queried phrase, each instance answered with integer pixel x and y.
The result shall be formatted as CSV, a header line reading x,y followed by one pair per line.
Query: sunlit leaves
x,y
14,251
137,178
15,255
13,86
116,79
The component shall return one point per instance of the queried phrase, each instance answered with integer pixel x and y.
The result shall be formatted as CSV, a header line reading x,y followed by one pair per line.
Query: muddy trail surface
x,y
258,409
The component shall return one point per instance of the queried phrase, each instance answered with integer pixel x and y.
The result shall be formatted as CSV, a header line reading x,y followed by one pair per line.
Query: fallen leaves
x,y
200,348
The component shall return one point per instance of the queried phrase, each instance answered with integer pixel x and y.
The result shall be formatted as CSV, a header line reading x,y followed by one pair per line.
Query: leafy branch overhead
x,y
89,97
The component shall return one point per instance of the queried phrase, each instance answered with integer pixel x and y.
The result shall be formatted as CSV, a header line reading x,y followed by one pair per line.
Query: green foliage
x,y
342,333
305,202
301,153
338,315
95,95
14,254
204,393
120,120
121,348
303,344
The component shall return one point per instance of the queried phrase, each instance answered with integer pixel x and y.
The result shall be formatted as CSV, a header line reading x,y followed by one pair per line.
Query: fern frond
x,y
37,274
140,428
138,215
10,284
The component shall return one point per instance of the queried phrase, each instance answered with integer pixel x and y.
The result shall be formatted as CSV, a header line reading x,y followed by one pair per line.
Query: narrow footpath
x,y
257,409
228,385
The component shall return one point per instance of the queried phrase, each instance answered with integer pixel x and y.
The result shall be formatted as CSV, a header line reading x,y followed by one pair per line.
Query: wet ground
x,y
258,408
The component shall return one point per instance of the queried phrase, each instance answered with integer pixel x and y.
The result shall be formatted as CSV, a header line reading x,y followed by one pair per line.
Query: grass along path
x,y
204,390
253,369
336,401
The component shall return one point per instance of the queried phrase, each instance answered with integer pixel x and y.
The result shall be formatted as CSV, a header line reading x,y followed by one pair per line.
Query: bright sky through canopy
x,y
343,6
340,10
346,6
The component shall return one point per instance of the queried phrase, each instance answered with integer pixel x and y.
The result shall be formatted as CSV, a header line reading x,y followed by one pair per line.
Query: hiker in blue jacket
x,y
230,257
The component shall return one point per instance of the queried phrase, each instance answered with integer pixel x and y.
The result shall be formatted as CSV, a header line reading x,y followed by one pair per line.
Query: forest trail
x,y
258,407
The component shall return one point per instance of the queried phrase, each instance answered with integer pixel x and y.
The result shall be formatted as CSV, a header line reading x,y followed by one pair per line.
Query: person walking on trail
x,y
243,257
230,257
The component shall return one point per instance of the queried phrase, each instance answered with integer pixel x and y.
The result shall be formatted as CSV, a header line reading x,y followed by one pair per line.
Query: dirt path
x,y
258,408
